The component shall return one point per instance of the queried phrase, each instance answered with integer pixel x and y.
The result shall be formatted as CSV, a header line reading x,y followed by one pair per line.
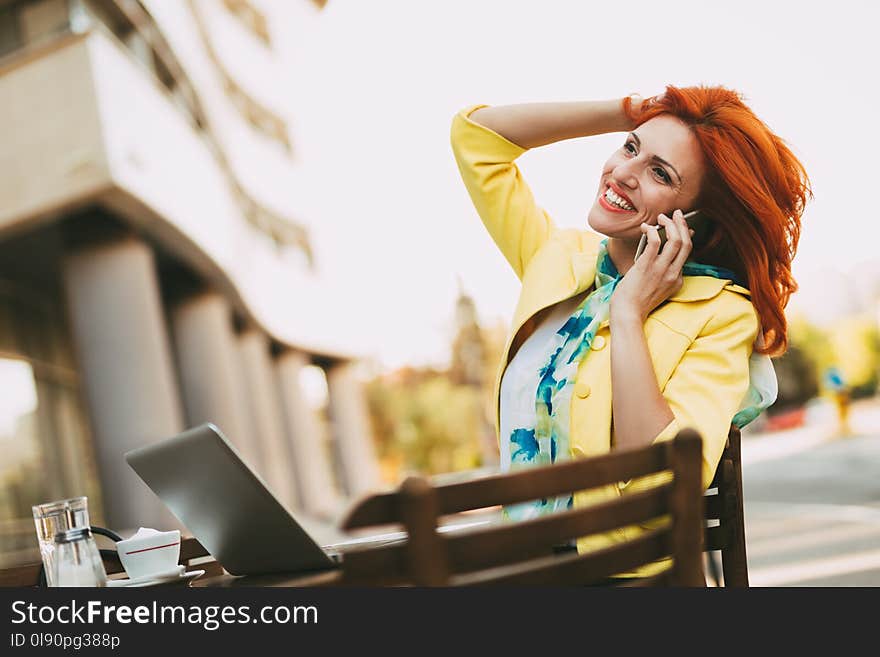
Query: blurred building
x,y
469,367
148,240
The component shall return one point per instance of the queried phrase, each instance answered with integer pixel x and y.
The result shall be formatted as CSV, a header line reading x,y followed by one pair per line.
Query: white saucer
x,y
176,576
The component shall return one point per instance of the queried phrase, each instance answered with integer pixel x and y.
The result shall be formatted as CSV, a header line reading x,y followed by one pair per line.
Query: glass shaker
x,y
77,559
53,518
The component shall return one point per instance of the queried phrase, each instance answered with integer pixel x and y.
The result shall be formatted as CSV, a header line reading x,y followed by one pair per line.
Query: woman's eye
x,y
630,148
661,173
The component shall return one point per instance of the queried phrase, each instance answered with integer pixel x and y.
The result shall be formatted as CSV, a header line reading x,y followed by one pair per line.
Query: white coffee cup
x,y
150,553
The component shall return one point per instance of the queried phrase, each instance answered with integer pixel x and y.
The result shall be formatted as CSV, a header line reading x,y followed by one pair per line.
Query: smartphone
x,y
689,218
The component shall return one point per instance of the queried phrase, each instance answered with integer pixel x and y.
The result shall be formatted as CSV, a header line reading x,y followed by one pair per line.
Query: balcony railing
x,y
260,117
251,17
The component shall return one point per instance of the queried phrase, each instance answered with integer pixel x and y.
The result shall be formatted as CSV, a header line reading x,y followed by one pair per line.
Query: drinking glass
x,y
53,518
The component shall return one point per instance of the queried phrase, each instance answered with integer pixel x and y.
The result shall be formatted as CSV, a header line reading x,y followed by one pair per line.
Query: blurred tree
x,y
798,370
856,345
851,344
797,377
495,337
431,421
468,368
468,346
813,341
425,423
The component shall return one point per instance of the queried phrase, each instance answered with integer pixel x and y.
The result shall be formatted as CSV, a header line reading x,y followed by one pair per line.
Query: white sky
x,y
377,83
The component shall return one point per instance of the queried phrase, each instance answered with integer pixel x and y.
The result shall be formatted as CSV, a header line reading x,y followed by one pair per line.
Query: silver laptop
x,y
202,479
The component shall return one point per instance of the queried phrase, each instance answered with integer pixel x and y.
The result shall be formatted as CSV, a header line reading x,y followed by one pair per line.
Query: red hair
x,y
754,194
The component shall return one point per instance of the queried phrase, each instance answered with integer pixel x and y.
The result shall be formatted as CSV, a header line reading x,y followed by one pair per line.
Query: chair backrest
x,y
724,511
522,552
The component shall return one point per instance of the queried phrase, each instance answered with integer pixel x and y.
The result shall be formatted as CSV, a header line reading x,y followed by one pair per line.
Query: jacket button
x,y
582,389
598,343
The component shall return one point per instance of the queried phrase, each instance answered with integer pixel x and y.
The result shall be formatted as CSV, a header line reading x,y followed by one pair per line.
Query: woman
x,y
609,352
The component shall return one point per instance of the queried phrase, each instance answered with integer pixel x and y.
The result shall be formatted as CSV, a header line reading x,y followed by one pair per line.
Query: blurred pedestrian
x,y
841,395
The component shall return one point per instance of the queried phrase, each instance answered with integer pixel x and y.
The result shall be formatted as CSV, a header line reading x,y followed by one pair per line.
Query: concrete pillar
x,y
267,416
125,360
210,370
350,424
314,477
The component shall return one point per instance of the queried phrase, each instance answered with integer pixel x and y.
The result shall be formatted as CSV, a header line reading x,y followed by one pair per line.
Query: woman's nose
x,y
624,174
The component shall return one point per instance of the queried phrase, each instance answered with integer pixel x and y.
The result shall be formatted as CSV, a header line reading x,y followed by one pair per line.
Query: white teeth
x,y
616,200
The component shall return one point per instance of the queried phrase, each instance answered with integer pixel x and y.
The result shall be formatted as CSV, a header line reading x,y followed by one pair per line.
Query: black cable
x,y
113,536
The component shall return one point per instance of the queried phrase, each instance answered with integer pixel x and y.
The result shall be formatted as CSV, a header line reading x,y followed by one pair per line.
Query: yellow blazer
x,y
700,340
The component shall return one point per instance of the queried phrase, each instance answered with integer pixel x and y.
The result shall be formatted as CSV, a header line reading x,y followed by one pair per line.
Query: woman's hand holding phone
x,y
689,218
656,275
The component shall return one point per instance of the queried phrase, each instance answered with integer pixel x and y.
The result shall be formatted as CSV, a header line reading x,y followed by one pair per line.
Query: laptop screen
x,y
202,479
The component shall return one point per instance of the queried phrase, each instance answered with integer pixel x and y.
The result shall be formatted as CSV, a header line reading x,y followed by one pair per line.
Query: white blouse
x,y
517,384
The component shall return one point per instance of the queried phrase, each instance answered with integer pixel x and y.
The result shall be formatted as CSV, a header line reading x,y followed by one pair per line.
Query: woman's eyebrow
x,y
657,158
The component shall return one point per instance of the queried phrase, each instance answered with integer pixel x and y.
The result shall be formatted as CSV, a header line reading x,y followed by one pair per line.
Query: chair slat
x,y
716,538
727,508
427,560
686,504
722,505
522,486
379,509
726,454
734,560
547,481
662,578
572,569
715,508
507,542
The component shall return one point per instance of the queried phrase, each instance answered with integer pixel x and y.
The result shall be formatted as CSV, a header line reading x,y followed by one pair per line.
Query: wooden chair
x,y
522,553
724,510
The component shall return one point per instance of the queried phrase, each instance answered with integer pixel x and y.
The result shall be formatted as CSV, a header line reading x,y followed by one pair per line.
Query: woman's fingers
x,y
669,257
658,273
673,240
652,248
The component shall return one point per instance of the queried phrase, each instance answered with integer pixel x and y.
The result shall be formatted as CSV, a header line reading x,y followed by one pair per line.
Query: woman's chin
x,y
609,228
602,226
596,223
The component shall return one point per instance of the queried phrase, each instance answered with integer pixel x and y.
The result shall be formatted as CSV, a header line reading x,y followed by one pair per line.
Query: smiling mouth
x,y
615,202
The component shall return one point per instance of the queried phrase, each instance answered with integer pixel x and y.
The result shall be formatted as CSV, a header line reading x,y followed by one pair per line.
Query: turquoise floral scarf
x,y
547,439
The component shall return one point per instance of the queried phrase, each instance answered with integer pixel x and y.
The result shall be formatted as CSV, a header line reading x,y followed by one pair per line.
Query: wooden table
x,y
300,580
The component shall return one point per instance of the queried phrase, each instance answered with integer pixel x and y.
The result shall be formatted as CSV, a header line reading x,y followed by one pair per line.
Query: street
x,y
812,501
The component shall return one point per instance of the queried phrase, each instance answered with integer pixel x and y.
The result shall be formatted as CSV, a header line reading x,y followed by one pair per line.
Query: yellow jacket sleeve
x,y
709,384
502,198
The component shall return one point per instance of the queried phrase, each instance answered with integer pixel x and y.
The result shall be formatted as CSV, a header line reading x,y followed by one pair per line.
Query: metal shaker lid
x,y
71,535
